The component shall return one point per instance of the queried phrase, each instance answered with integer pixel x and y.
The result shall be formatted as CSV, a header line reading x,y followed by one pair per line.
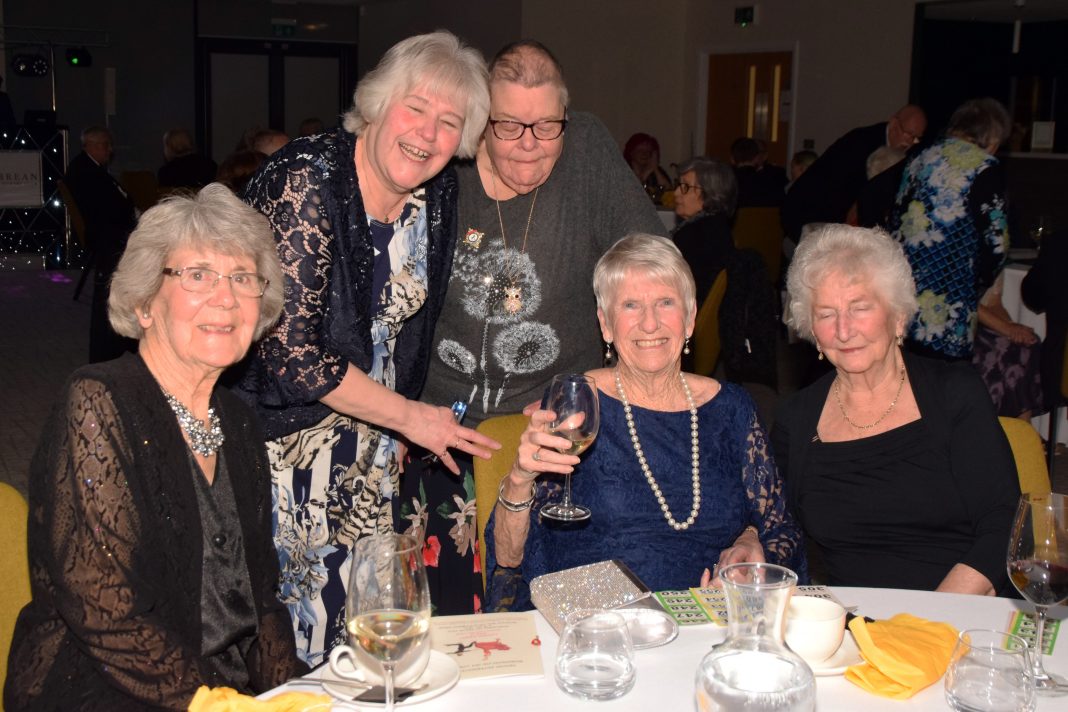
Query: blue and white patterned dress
x,y
950,218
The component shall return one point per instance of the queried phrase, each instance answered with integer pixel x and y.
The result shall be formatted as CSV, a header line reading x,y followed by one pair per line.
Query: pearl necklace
x,y
695,451
841,407
204,440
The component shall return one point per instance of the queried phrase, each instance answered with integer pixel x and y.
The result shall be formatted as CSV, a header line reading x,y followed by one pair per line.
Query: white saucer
x,y
847,654
649,627
440,675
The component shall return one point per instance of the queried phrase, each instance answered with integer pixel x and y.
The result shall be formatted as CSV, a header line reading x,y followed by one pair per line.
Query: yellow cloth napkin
x,y
226,699
902,655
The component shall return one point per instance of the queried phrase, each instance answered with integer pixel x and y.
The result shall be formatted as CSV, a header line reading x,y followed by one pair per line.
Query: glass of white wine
x,y
573,398
387,605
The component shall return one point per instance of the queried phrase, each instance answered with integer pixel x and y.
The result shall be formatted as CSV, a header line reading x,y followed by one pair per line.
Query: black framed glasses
x,y
542,130
201,280
686,187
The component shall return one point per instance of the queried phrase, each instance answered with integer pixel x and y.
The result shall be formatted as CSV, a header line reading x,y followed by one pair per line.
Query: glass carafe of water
x,y
753,669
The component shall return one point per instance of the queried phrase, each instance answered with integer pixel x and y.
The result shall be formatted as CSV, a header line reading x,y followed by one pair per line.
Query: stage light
x,y
79,57
30,65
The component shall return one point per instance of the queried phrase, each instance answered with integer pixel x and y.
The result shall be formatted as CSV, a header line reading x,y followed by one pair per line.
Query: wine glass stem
x,y
1036,659
567,490
387,676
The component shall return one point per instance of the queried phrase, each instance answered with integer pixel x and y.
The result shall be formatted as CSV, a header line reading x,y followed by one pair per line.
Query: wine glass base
x,y
565,512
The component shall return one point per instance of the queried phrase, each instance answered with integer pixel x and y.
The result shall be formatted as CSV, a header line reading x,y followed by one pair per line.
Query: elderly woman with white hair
x,y
669,518
365,222
151,563
896,465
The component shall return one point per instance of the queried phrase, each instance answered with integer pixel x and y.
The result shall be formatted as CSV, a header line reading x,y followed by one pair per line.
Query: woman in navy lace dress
x,y
702,449
364,218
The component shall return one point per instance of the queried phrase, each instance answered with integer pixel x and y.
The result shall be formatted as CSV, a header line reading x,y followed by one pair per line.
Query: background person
x,y
721,506
642,154
896,465
151,562
546,194
365,222
184,167
704,201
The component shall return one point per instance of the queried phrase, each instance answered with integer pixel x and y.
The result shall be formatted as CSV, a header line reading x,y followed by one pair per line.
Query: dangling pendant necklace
x,y
204,440
695,455
841,406
513,293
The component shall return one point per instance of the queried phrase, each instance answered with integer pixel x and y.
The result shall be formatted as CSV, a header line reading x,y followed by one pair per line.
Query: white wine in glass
x,y
388,603
573,398
1038,567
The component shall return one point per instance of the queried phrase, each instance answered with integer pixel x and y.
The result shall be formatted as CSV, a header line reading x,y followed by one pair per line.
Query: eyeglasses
x,y
200,281
541,130
686,187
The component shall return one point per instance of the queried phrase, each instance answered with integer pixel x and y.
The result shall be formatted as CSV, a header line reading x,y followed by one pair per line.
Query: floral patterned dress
x,y
334,482
950,218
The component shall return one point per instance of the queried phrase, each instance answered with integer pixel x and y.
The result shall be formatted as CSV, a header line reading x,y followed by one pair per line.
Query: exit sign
x,y
283,27
745,16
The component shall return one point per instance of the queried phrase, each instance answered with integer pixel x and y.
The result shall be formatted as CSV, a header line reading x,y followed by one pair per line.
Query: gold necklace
x,y
838,397
513,293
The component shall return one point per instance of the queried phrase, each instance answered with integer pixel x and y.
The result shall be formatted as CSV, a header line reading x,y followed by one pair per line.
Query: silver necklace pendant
x,y
513,298
204,440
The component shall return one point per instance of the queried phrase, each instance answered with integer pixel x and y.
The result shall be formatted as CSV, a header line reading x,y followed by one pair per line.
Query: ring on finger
x,y
536,457
457,443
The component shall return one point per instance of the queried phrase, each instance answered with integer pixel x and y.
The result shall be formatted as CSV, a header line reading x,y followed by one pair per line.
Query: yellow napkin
x,y
902,655
226,699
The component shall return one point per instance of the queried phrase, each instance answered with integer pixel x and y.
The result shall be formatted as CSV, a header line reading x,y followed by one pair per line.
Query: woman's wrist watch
x,y
515,506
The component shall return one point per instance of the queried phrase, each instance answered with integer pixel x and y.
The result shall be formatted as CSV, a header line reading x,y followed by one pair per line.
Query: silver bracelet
x,y
515,506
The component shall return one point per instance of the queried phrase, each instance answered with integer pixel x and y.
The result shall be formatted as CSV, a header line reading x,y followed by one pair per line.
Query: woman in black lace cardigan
x,y
365,223
151,563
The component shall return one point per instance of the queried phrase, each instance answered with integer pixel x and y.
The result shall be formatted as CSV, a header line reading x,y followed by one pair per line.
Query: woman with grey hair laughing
x,y
669,518
151,563
895,465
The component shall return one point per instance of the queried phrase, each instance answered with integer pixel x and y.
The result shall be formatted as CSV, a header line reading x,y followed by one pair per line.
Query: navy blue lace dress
x,y
740,486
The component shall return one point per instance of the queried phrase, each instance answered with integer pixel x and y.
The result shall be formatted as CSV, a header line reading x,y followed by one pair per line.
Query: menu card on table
x,y
489,644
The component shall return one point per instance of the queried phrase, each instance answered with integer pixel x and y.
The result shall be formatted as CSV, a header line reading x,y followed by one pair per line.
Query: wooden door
x,y
748,95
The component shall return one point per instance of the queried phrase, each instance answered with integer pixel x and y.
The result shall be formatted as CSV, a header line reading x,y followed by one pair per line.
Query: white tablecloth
x,y
666,674
1019,312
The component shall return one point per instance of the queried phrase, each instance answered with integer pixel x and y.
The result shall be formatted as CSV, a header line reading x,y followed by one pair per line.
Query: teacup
x,y
814,627
351,662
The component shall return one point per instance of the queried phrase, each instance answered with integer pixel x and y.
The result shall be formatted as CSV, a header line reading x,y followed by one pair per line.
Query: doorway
x,y
749,94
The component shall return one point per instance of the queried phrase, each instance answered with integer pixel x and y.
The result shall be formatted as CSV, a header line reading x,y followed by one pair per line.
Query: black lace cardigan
x,y
310,193
115,549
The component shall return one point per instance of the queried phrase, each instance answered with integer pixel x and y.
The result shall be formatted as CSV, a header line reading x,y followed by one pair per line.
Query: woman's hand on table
x,y
746,548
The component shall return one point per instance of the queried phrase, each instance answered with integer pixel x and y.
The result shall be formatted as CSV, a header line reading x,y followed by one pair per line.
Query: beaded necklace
x,y
204,440
695,453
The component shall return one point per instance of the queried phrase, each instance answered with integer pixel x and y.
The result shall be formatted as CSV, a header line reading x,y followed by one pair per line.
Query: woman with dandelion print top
x,y
950,218
547,194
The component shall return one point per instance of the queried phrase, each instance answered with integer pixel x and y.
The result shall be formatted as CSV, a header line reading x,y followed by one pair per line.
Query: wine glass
x,y
1038,566
573,398
388,602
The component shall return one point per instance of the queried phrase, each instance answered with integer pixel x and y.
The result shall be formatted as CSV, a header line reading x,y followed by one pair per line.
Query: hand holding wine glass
x,y
1038,567
573,400
387,608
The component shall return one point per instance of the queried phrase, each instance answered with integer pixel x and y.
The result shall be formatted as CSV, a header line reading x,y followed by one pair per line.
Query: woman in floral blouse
x,y
364,218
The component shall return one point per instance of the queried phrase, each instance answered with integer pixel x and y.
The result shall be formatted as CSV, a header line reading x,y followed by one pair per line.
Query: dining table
x,y
666,674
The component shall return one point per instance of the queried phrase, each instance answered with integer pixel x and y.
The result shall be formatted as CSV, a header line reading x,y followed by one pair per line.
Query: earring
x,y
146,315
686,345
900,340
820,357
608,351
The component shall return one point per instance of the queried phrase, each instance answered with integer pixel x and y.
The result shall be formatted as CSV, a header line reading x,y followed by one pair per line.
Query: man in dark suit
x,y
110,216
830,186
1044,290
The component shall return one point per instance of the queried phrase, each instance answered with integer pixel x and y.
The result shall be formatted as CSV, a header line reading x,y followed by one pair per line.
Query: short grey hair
x,y
94,133
441,62
980,121
652,256
529,64
719,185
855,252
213,219
882,159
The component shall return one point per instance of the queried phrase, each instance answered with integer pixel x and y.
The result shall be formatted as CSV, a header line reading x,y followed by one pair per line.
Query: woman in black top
x,y
704,199
896,465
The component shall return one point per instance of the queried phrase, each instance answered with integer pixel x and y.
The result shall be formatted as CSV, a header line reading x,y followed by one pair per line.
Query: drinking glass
x,y
573,398
1038,567
595,657
388,603
989,672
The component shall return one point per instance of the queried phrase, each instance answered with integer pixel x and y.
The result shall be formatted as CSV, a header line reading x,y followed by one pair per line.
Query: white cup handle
x,y
339,652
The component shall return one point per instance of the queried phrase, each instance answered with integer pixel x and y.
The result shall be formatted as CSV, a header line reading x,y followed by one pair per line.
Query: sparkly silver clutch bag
x,y
606,584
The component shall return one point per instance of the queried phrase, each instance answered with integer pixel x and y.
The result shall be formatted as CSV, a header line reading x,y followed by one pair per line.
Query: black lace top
x,y
116,553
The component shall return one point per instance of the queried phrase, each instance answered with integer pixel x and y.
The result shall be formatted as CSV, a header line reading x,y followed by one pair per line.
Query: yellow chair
x,y
760,229
506,430
1029,454
14,563
706,343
